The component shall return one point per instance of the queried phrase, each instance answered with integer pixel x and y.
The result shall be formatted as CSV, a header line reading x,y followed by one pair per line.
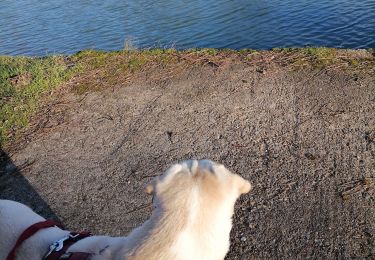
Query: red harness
x,y
57,251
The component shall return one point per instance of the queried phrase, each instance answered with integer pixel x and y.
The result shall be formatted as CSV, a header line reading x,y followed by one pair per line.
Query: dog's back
x,y
16,218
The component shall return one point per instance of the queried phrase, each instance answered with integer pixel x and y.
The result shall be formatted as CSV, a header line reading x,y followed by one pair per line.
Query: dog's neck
x,y
193,230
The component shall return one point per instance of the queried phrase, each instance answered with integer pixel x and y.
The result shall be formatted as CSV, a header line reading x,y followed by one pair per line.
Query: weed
x,y
247,51
322,55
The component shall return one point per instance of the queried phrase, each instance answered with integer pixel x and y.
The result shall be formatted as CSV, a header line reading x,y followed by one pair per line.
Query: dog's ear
x,y
244,186
149,189
151,186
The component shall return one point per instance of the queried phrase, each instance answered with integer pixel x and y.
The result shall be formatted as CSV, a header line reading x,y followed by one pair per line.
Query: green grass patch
x,y
322,54
247,51
318,57
23,81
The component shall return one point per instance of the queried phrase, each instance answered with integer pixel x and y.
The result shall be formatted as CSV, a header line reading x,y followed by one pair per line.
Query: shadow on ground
x,y
14,186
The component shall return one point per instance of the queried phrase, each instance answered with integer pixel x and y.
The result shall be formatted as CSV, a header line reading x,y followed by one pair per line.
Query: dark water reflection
x,y
39,27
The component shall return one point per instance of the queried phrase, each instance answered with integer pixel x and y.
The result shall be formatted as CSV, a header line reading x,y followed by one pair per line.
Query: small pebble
x,y
243,239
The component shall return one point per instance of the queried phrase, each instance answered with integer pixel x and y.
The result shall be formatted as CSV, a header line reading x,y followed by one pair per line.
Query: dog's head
x,y
209,182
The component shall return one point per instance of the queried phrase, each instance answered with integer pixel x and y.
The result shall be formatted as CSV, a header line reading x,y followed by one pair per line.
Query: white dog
x,y
194,203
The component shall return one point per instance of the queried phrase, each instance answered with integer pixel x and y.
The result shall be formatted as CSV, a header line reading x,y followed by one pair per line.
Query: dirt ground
x,y
305,139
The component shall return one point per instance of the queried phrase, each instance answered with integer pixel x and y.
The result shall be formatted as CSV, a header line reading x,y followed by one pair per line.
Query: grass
x,y
317,57
23,81
108,68
324,56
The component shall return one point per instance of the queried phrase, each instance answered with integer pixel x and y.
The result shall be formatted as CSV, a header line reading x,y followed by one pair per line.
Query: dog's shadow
x,y
14,186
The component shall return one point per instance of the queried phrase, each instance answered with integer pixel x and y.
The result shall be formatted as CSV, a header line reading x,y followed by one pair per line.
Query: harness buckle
x,y
57,245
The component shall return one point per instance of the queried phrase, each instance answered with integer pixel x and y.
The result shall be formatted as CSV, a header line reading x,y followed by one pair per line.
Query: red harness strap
x,y
29,232
61,254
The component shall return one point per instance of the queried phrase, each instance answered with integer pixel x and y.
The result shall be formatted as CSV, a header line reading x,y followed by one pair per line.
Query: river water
x,y
40,27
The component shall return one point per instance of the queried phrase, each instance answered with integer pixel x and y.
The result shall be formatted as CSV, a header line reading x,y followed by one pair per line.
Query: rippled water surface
x,y
40,27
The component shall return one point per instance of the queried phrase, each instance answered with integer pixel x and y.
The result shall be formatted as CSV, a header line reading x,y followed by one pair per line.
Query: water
x,y
40,27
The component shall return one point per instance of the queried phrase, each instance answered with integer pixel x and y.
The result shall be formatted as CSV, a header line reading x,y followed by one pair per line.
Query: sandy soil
x,y
304,138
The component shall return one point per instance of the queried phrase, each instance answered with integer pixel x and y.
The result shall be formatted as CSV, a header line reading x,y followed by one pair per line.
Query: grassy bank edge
x,y
26,81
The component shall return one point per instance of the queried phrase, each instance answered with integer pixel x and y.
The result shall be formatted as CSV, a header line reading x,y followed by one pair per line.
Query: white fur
x,y
193,241
205,245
